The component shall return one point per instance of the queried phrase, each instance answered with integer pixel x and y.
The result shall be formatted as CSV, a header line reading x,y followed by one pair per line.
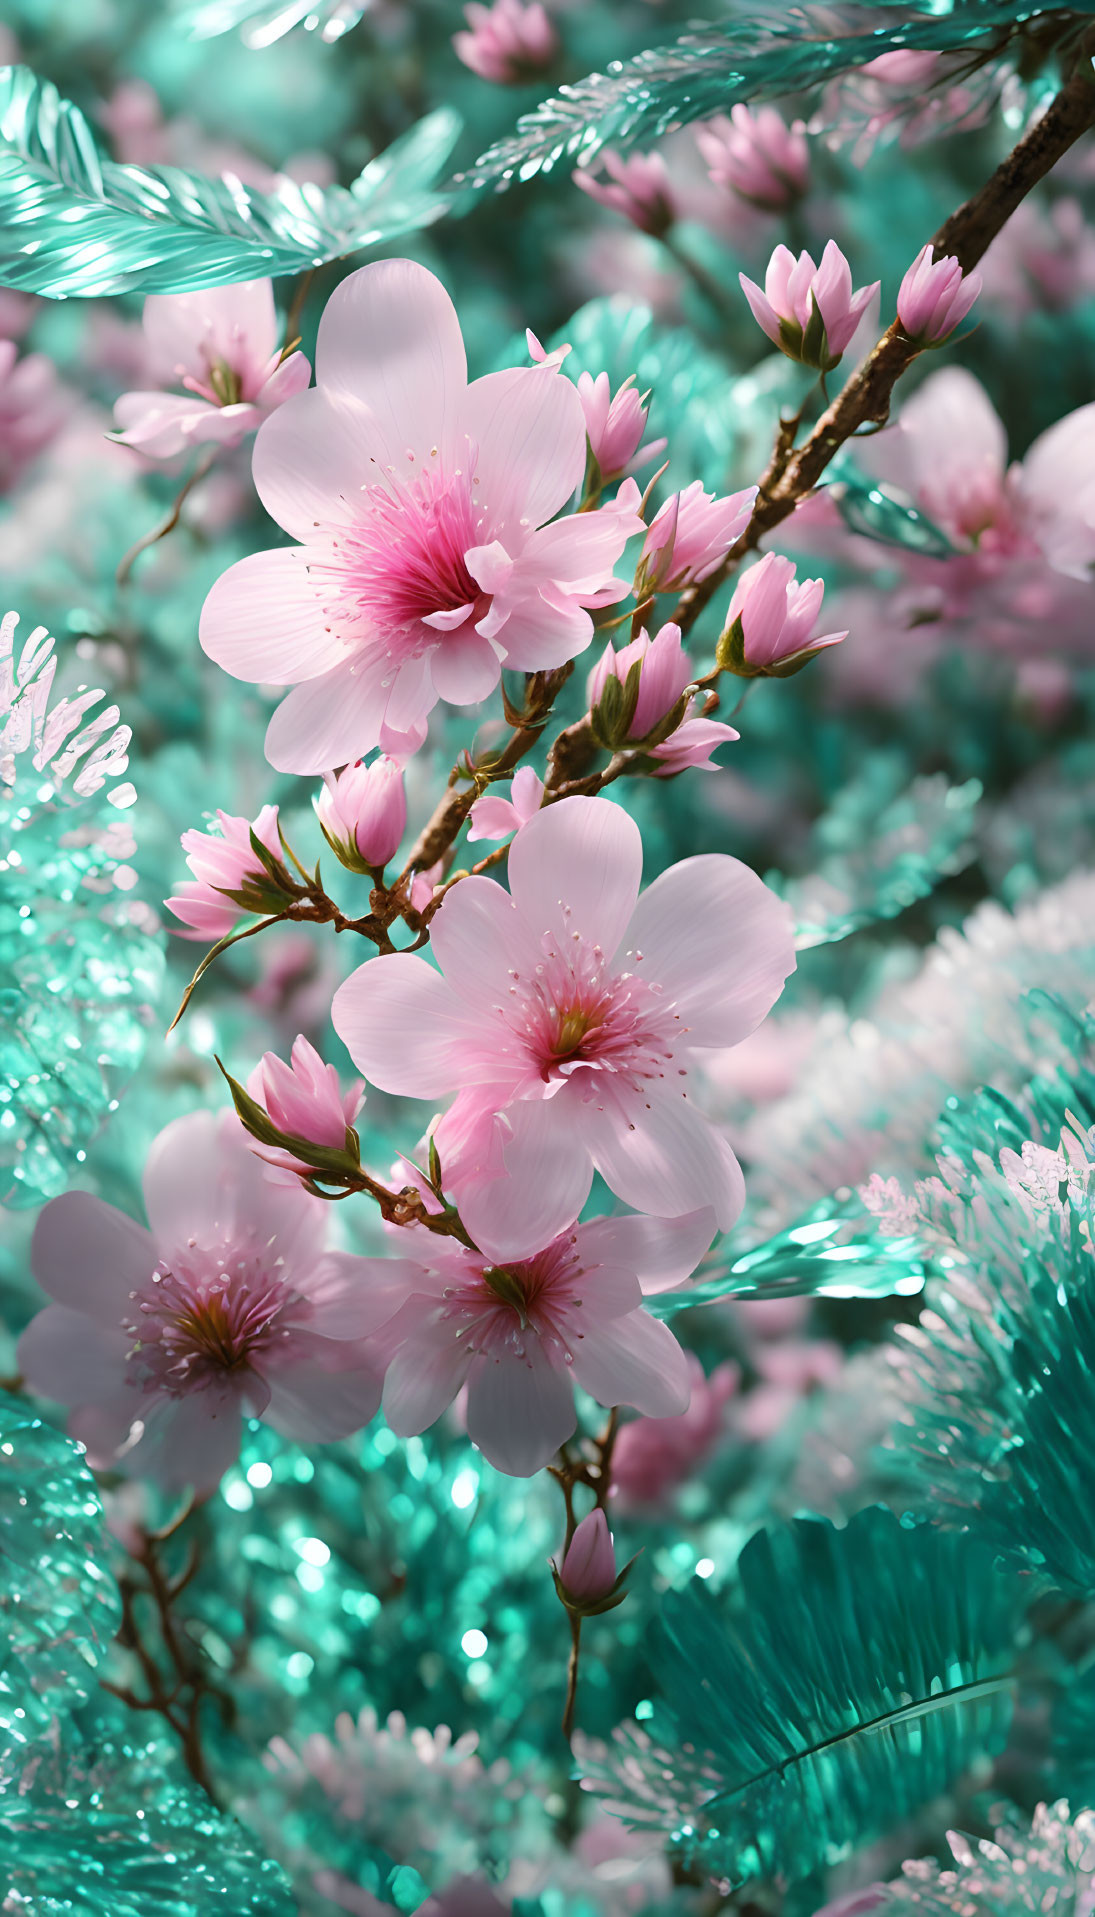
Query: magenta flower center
x,y
496,1309
402,558
576,1017
208,1318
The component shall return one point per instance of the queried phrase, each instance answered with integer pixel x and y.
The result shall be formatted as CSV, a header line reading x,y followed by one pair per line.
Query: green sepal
x,y
346,854
814,342
256,1120
596,1606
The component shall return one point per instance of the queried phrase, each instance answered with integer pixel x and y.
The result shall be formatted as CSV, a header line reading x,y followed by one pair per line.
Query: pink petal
x,y
662,1252
202,1180
576,867
330,721
762,310
176,324
88,1255
402,1025
718,941
634,1360
659,1154
519,1411
548,1174
951,428
313,1404
492,818
188,1442
289,377
465,668
352,1297
577,553
65,1354
478,938
160,425
312,457
263,621
427,1370
535,636
390,340
531,439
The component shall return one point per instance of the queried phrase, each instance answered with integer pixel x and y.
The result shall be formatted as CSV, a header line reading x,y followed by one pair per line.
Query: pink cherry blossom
x,y
520,1336
34,406
588,1570
493,817
665,670
363,813
757,155
637,187
161,1340
934,296
508,42
789,1370
690,535
227,874
615,423
422,504
654,1455
810,312
567,1014
222,345
770,623
305,1099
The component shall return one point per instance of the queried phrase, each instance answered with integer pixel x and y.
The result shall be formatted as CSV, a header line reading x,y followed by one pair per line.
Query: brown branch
x,y
168,522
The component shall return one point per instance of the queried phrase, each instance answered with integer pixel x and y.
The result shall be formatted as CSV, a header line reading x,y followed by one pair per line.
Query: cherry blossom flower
x,y
665,670
934,297
588,1570
508,42
34,406
689,536
654,1455
637,187
161,1340
757,155
567,1014
229,878
615,423
305,1099
810,312
493,817
363,813
770,622
520,1336
222,345
422,504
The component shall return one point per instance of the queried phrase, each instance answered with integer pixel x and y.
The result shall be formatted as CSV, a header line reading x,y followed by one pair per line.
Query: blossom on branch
x,y
363,813
508,42
934,297
810,312
770,624
422,504
567,1015
230,878
689,536
637,187
637,697
304,1099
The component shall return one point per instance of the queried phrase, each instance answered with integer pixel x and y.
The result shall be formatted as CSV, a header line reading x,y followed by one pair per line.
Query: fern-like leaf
x,y
760,55
73,223
849,1677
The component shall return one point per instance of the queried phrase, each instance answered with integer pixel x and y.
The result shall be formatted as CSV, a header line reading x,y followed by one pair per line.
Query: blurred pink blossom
x,y
654,1455
934,297
34,408
222,345
226,870
509,42
810,312
162,1340
637,187
789,1370
757,155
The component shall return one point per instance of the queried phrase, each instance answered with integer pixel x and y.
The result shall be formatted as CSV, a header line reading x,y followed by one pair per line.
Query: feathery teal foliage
x,y
846,1678
830,1252
1040,1869
74,223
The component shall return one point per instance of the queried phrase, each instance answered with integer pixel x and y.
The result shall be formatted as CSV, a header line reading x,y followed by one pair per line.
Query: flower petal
x,y
529,431
314,1403
65,1354
519,1411
352,1297
427,1370
312,457
402,1025
330,721
576,867
480,941
465,668
202,1180
547,1178
662,1252
658,1153
263,621
390,339
90,1256
634,1360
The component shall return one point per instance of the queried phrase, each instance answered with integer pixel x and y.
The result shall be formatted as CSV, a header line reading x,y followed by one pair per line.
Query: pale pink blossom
x,y
427,561
654,1455
162,1340
903,91
508,42
771,619
304,1099
789,1371
757,155
588,1570
520,1336
229,877
34,406
637,187
567,1015
934,297
810,312
665,671
493,817
221,344
690,535
363,813
949,450
615,423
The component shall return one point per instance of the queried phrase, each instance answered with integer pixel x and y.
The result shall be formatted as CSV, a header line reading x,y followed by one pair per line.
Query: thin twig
x,y
170,519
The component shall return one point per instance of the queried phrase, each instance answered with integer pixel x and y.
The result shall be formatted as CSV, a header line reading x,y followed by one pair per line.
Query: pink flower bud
x,y
589,1568
757,155
638,187
689,536
229,877
638,712
810,312
770,621
363,813
615,425
507,43
304,1099
934,296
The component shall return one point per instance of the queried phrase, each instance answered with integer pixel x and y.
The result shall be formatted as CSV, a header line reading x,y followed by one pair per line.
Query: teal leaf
x,y
832,1251
262,22
713,67
73,223
845,1679
59,1604
882,512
